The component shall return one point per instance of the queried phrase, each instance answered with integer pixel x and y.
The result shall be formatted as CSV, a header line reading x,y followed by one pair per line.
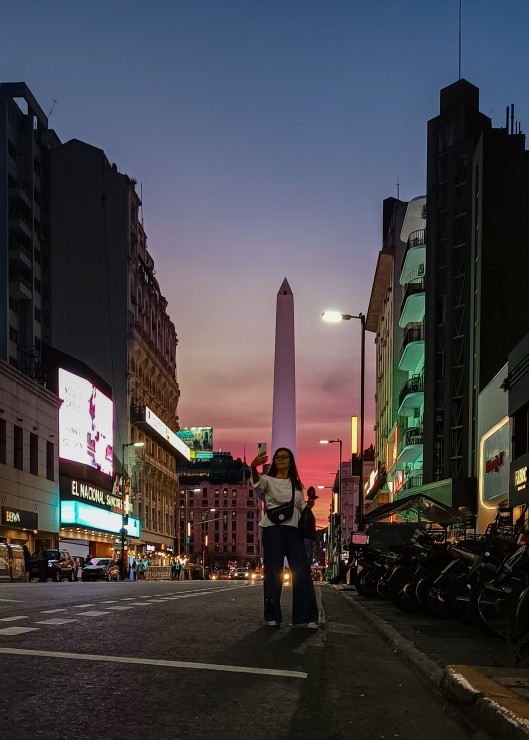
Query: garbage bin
x,y
4,563
17,568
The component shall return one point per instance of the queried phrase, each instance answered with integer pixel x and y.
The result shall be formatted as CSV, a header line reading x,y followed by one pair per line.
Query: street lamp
x,y
124,515
338,502
335,317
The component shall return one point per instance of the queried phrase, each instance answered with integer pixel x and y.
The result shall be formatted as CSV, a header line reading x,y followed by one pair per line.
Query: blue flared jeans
x,y
281,541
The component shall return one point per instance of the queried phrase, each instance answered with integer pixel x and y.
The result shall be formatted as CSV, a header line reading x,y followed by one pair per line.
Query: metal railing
x,y
413,481
414,333
415,384
412,436
412,288
416,238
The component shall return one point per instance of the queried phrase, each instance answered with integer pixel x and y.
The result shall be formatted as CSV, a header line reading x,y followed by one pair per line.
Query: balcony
x,y
412,307
412,349
411,396
20,255
19,287
20,226
410,448
414,480
19,197
414,261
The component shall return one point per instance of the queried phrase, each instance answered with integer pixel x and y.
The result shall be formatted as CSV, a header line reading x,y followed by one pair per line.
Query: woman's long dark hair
x,y
292,469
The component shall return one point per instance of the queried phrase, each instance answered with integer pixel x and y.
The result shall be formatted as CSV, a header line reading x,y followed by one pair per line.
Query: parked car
x,y
100,569
61,566
241,574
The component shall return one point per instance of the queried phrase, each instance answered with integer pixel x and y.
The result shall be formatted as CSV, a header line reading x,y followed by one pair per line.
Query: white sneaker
x,y
312,626
273,623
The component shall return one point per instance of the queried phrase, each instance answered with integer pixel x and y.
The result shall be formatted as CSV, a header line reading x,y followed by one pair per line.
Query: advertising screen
x,y
85,423
199,440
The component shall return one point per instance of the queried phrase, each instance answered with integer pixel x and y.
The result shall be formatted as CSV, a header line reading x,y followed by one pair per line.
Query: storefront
x,y
517,385
92,518
494,435
21,527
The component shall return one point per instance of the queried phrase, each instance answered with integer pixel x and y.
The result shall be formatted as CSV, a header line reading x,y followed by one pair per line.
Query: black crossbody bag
x,y
284,512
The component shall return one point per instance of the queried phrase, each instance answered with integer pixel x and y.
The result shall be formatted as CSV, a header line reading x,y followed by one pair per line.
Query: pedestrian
x,y
133,569
177,569
42,561
27,560
282,539
141,570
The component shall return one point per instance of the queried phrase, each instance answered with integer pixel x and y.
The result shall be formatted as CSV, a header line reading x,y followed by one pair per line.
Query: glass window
x,y
50,461
33,454
18,452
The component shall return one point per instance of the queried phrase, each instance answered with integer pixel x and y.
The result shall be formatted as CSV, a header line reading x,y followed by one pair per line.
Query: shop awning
x,y
419,508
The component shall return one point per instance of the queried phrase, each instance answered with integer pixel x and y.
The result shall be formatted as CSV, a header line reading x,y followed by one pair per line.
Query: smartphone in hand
x,y
261,448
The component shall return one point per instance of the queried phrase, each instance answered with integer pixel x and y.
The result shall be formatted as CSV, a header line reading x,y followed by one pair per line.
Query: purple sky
x,y
265,135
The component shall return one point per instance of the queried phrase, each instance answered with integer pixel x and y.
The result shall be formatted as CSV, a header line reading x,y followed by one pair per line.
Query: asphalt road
x,y
192,659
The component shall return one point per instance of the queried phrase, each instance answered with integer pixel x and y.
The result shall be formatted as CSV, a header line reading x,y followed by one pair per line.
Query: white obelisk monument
x,y
284,408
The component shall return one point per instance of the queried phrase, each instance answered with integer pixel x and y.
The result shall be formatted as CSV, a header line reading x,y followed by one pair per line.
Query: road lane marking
x,y
143,603
148,661
110,601
56,621
81,606
18,601
127,598
53,611
12,619
120,608
91,614
17,630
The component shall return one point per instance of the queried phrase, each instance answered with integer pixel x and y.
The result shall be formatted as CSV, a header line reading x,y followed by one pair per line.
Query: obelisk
x,y
284,408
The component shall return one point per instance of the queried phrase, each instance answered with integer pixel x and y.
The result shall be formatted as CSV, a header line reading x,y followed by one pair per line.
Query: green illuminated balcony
x,y
414,262
412,349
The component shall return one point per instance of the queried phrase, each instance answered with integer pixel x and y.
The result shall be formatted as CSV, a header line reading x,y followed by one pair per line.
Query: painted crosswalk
x,y
79,612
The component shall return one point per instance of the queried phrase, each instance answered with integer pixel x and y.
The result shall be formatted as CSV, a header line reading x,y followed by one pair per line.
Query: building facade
x,y
477,230
29,473
108,311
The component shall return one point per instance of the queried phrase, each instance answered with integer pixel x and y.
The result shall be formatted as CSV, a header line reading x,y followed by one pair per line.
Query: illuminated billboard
x,y
165,432
199,440
85,423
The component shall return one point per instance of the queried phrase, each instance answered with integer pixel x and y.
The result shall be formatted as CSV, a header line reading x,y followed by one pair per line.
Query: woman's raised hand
x,y
260,459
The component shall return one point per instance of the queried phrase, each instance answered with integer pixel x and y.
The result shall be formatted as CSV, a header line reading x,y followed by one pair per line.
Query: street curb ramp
x,y
492,706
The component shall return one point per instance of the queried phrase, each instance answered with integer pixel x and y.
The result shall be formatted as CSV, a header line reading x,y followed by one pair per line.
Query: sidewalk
x,y
472,670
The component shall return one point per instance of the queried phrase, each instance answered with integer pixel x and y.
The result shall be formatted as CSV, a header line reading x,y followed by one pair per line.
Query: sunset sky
x,y
264,135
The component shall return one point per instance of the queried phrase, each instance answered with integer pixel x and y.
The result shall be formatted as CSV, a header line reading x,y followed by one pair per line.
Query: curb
x,y
491,706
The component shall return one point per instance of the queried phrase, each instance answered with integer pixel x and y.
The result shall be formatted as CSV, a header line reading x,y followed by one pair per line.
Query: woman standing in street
x,y
284,539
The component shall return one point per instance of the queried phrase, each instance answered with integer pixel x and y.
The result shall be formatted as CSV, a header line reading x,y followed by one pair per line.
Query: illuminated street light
x,y
335,317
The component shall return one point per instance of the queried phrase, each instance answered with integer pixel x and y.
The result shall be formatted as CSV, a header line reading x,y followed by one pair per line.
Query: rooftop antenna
x,y
398,187
52,107
459,69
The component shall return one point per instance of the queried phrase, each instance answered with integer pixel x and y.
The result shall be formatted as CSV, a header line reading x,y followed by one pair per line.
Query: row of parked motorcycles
x,y
482,579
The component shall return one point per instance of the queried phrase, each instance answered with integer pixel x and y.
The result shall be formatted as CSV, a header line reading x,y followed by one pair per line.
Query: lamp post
x,y
338,502
124,515
335,317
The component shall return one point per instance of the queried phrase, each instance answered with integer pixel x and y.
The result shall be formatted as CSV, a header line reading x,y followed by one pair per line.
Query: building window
x,y
33,454
37,314
225,493
249,514
50,461
36,283
3,440
250,493
249,539
233,515
250,549
18,452
234,493
13,304
249,526
13,334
